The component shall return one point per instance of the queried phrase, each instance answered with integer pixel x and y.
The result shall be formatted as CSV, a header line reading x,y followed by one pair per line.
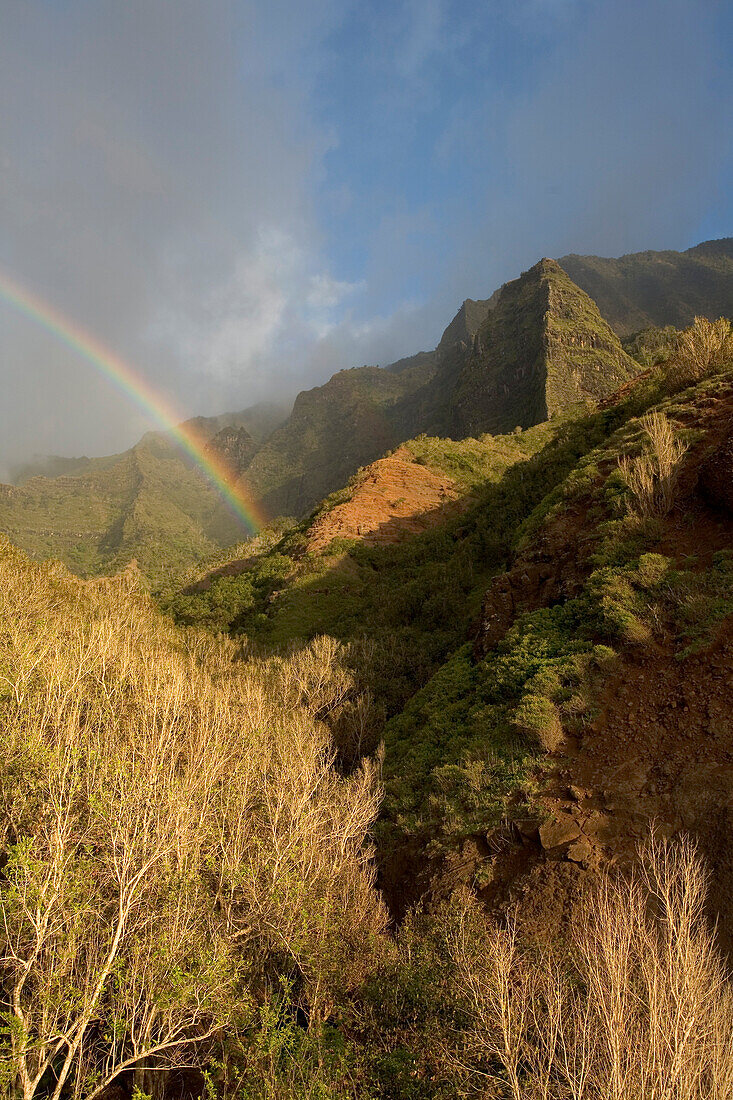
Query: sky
x,y
240,197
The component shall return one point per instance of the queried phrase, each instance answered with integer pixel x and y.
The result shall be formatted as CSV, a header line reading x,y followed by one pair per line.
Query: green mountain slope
x,y
150,504
543,348
486,643
658,288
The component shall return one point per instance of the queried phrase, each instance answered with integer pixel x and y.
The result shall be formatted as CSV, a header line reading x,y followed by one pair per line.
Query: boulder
x,y
558,831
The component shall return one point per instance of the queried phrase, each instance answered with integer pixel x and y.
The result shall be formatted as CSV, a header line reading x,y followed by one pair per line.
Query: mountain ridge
x,y
358,415
657,288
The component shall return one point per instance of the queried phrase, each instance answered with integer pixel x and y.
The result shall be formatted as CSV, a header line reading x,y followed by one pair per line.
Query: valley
x,y
344,776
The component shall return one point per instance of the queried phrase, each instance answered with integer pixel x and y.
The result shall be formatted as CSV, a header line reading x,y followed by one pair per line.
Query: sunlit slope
x,y
150,504
176,846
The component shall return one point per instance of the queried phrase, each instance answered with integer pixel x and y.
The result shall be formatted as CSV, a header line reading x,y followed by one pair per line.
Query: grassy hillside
x,y
149,504
187,899
403,609
658,288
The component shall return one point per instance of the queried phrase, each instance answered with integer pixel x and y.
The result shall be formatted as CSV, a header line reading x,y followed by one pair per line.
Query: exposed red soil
x,y
661,752
624,390
394,498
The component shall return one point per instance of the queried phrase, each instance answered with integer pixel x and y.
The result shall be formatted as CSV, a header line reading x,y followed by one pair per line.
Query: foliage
x,y
641,1005
651,346
232,603
703,348
464,739
472,739
174,836
652,476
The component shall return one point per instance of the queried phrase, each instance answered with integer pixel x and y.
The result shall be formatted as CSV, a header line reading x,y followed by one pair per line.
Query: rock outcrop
x,y
235,446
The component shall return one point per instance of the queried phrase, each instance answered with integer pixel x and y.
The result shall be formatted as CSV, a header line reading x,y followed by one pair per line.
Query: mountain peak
x,y
467,321
543,348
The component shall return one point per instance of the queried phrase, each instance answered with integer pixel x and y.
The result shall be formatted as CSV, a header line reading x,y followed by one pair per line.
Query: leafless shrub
x,y
640,1007
173,831
701,349
652,476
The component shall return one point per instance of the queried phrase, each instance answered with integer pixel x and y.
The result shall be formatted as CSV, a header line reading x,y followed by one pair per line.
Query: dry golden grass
x,y
175,834
701,349
652,476
641,1008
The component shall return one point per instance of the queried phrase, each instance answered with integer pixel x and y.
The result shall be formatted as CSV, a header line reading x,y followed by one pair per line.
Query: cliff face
x,y
543,348
467,321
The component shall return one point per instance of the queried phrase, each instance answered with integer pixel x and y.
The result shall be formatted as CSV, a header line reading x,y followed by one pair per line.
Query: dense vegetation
x,y
178,851
187,900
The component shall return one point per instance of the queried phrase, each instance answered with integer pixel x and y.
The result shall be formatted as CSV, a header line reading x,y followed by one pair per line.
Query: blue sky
x,y
242,196
455,120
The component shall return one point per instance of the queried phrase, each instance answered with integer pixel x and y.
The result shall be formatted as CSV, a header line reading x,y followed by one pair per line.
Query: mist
x,y
240,198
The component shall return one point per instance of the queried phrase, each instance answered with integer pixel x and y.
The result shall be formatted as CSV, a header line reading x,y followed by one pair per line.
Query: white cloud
x,y
264,320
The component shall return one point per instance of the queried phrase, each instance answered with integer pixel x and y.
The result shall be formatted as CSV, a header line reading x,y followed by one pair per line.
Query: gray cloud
x,y
621,143
156,161
617,141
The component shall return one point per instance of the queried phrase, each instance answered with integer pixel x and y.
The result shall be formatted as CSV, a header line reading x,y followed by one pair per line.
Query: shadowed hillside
x,y
658,288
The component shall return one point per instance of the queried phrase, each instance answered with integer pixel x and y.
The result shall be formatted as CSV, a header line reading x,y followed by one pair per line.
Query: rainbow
x,y
141,393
